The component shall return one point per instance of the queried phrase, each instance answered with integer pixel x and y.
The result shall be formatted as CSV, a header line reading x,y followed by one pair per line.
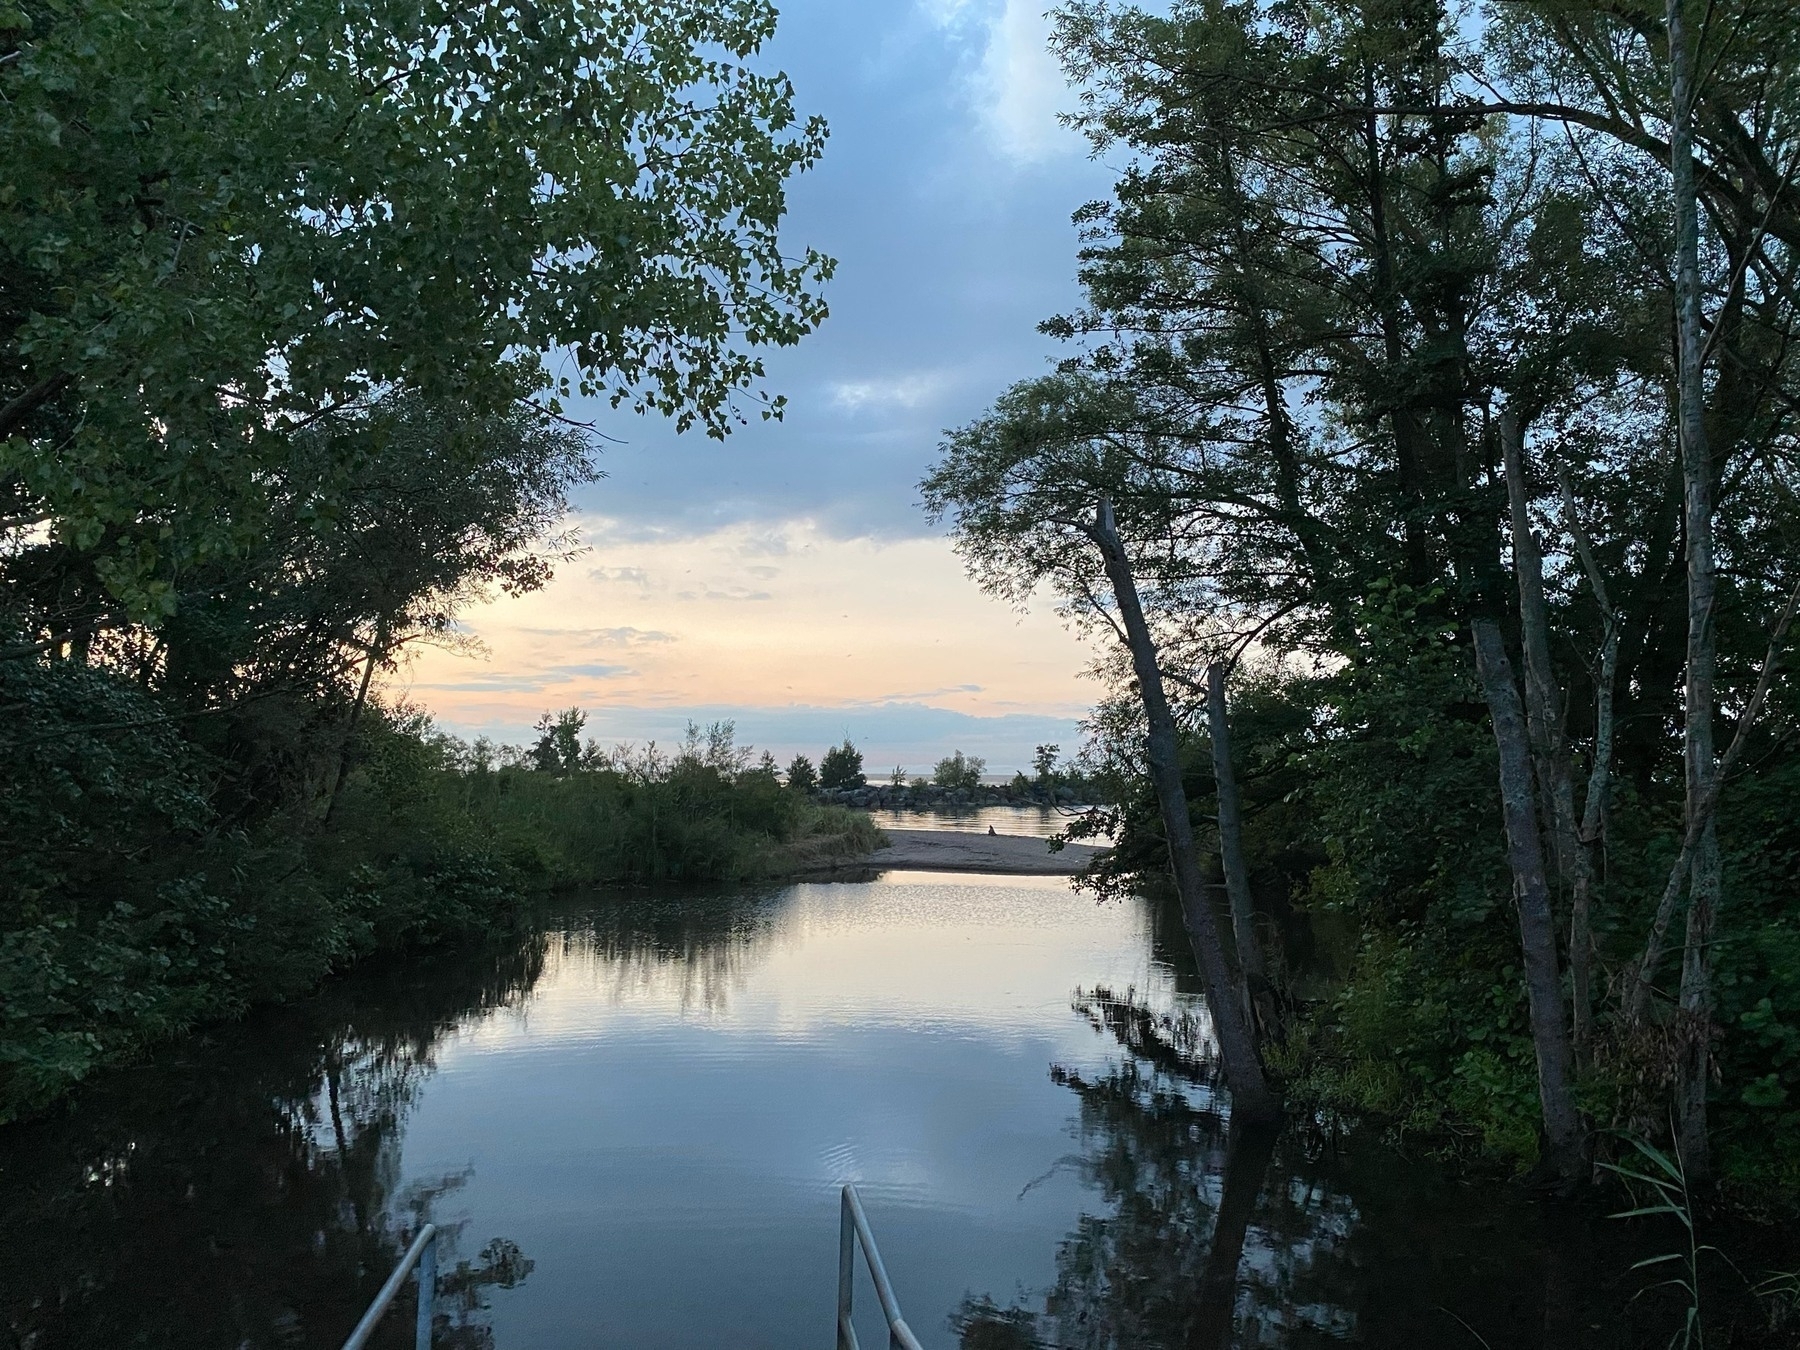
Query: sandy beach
x,y
957,851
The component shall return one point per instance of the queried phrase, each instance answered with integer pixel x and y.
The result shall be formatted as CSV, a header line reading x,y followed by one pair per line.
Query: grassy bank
x,y
148,891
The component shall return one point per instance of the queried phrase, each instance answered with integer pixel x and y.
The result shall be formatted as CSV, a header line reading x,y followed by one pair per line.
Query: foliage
x,y
1669,1195
133,909
956,771
841,767
226,223
1342,243
278,285
703,814
801,776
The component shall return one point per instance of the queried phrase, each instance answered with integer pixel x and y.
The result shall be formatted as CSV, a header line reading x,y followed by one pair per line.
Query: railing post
x,y
846,1338
427,1295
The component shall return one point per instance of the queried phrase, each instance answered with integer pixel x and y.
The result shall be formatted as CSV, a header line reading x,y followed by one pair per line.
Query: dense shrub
x,y
133,906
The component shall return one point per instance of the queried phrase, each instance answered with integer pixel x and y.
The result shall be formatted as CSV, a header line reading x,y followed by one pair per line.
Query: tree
x,y
1351,338
801,776
841,767
1031,488
1043,765
959,772
228,223
558,746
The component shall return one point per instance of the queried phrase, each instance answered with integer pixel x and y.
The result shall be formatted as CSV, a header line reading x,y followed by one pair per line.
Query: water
x,y
634,1125
1036,822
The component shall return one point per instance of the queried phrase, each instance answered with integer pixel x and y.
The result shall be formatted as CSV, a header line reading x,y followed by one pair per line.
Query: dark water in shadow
x,y
635,1124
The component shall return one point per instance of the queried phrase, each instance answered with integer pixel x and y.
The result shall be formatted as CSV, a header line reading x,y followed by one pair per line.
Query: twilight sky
x,y
787,578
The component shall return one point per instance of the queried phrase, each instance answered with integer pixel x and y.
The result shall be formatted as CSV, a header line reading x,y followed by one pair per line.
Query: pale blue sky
x,y
945,194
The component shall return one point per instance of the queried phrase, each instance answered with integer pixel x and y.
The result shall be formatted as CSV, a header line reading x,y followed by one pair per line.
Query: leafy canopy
x,y
220,223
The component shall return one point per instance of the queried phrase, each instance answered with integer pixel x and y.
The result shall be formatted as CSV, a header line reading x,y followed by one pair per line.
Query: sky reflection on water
x,y
635,1122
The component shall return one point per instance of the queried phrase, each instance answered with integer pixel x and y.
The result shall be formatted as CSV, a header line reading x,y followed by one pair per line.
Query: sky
x,y
787,579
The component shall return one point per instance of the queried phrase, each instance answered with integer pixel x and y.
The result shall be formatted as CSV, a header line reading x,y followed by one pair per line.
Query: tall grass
x,y
1666,1194
607,826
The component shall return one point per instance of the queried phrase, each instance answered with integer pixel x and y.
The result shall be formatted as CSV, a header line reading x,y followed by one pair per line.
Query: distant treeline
x,y
841,770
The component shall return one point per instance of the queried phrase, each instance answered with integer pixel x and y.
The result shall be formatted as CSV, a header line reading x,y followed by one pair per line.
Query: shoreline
x,y
963,851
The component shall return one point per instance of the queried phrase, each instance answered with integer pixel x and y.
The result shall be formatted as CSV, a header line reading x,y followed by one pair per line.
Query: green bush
x,y
132,909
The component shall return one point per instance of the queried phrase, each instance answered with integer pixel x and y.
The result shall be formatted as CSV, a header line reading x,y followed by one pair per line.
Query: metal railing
x,y
423,1254
853,1227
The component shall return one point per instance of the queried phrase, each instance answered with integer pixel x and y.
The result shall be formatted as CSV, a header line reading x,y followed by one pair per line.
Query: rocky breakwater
x,y
930,797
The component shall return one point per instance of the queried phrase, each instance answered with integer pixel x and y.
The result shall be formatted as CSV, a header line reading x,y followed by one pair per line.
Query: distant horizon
x,y
933,733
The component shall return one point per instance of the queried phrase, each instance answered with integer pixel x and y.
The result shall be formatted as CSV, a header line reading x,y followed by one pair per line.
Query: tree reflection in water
x,y
242,1189
695,945
1212,1235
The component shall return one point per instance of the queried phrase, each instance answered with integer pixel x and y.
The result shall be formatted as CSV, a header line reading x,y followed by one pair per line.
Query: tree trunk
x,y
1251,1096
356,708
1637,990
1696,478
1231,844
1599,783
1531,892
1544,722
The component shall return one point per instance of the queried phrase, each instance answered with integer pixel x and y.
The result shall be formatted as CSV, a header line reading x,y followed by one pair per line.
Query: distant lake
x,y
1038,822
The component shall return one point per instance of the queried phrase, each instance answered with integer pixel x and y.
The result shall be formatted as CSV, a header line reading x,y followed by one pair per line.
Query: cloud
x,y
625,576
529,681
725,593
919,695
601,637
766,544
1023,85
904,391
591,671
1017,88
763,573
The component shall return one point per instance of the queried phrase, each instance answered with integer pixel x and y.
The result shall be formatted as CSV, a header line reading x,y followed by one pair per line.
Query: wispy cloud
x,y
723,593
529,681
623,576
600,637
920,695
901,391
764,544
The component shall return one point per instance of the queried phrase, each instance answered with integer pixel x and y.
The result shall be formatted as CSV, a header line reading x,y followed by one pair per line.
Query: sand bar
x,y
960,851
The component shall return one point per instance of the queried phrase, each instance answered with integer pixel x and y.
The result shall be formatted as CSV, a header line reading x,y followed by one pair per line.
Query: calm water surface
x,y
1037,822
635,1124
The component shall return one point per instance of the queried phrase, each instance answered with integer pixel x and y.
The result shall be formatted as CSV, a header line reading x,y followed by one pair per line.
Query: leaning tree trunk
x,y
1544,722
1637,993
1531,892
1695,1018
1249,1148
356,710
1251,1096
1231,845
